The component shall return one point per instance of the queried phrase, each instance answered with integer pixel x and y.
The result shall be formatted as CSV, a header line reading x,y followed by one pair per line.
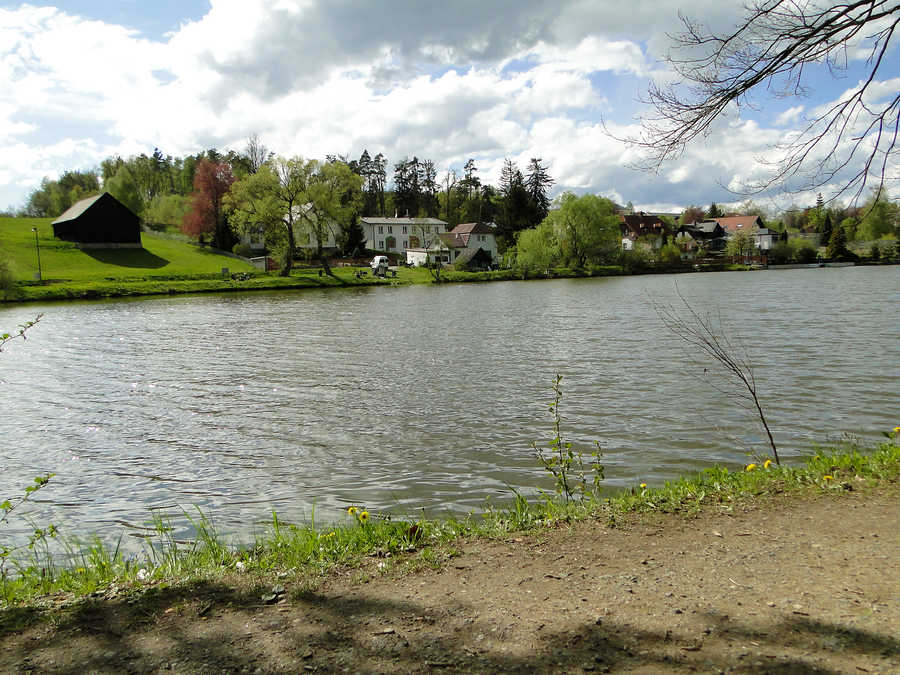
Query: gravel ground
x,y
787,585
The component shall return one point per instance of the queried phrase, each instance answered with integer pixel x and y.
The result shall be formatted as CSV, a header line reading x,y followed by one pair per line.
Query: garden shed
x,y
99,222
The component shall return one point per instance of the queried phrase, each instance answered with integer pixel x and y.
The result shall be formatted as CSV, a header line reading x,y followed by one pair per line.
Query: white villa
x,y
397,235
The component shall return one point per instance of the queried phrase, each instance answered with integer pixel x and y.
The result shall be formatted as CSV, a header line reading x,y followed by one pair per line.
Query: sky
x,y
84,80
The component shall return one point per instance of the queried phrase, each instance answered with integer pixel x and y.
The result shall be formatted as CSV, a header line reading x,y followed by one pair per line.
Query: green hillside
x,y
61,261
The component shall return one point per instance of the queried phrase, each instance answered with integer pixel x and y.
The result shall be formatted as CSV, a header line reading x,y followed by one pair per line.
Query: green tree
x,y
881,218
837,245
741,244
587,228
55,196
333,199
407,187
124,187
537,248
516,212
825,228
670,255
714,211
269,201
802,251
167,210
537,184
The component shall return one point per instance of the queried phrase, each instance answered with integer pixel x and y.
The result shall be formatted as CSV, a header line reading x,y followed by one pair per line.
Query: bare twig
x,y
699,331
772,50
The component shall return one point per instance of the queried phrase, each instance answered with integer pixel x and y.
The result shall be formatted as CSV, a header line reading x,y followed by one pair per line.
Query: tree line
x,y
189,193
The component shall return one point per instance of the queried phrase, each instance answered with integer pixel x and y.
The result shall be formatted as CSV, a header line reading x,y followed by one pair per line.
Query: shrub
x,y
780,253
633,261
804,251
670,255
242,250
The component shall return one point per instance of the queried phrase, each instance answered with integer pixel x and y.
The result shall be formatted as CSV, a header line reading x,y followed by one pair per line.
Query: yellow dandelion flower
x,y
767,463
352,510
643,485
827,477
750,467
897,430
364,516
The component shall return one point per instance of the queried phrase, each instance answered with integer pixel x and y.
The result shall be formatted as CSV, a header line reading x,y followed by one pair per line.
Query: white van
x,y
379,264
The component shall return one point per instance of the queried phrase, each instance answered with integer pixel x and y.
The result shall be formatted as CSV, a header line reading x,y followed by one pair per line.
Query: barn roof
x,y
77,209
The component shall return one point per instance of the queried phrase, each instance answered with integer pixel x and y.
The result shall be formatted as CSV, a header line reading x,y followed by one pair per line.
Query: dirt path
x,y
792,586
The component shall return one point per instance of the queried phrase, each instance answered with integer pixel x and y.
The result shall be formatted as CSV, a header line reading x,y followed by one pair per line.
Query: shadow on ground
x,y
212,627
127,257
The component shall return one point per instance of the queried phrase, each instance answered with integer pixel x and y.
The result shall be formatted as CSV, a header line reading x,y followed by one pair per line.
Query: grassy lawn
x,y
61,261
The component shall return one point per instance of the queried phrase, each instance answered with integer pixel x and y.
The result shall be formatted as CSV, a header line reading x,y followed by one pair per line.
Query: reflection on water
x,y
423,398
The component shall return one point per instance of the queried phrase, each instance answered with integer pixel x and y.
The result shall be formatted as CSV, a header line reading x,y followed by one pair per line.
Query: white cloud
x,y
789,116
445,82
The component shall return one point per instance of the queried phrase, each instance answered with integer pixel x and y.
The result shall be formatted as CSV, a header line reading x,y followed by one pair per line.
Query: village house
x,y
644,227
707,234
471,244
763,237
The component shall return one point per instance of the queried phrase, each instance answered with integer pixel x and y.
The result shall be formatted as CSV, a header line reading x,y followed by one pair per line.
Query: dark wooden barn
x,y
99,222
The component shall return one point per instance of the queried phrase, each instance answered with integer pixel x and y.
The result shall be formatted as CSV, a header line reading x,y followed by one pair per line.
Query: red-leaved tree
x,y
212,181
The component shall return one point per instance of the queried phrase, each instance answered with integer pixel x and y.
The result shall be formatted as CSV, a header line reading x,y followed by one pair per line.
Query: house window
x,y
405,243
455,254
404,229
428,229
391,242
390,230
380,245
381,229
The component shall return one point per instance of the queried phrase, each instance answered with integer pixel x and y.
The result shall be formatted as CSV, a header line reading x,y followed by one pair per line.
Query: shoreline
x,y
740,570
309,551
309,278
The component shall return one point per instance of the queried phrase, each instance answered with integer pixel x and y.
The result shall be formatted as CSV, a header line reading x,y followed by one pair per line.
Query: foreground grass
x,y
305,554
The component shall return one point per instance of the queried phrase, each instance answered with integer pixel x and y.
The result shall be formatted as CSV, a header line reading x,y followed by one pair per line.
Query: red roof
x,y
739,223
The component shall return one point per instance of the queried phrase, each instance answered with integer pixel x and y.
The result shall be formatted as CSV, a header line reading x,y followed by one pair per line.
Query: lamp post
x,y
37,247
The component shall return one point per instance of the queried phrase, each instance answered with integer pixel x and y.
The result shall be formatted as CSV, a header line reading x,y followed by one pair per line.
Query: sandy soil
x,y
794,585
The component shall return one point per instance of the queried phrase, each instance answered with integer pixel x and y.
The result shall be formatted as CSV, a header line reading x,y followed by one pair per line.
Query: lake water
x,y
420,399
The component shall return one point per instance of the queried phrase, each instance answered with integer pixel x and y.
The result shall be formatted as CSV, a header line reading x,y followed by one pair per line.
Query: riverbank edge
x,y
308,278
370,544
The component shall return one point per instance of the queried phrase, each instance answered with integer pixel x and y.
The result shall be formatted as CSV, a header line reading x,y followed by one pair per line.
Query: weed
x,y
565,464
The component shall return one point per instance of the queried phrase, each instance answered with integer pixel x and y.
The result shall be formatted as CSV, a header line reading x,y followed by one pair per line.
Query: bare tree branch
x,y
701,332
853,141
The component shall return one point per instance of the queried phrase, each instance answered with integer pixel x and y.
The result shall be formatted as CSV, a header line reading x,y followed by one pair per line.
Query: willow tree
x,y
267,202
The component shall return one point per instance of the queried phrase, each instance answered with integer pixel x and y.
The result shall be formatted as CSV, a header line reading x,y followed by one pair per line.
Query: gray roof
x,y
77,209
707,226
373,220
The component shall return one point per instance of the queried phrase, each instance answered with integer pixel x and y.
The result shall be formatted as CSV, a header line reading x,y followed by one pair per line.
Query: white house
x,y
397,235
465,240
766,238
